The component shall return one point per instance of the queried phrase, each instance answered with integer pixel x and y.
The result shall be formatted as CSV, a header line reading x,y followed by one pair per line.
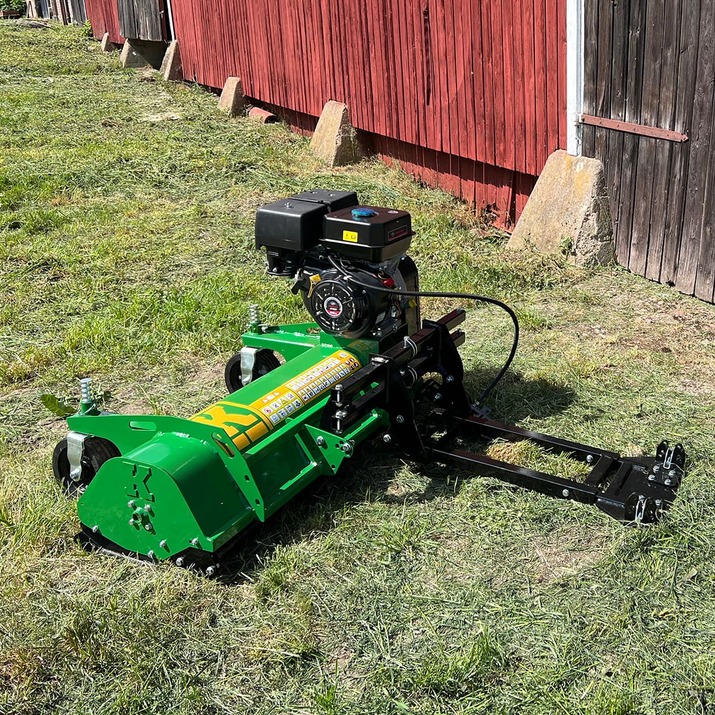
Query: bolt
x,y
589,458
194,542
85,389
347,448
210,571
656,468
147,509
400,419
151,554
566,492
658,502
438,397
162,544
180,561
321,442
131,503
671,473
651,477
668,482
132,522
254,316
450,379
148,527
386,438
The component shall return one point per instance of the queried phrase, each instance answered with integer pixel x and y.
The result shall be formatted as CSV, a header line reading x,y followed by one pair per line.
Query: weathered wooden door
x,y
649,93
143,19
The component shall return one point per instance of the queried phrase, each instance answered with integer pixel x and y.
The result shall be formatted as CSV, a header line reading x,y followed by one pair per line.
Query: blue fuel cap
x,y
362,212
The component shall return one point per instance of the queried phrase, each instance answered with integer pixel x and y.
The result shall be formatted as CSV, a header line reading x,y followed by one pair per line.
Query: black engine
x,y
349,261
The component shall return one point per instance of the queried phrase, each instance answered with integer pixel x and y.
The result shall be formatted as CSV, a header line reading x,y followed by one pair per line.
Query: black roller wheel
x,y
96,452
265,362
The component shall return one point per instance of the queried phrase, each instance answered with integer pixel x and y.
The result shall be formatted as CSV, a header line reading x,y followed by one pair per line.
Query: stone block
x,y
232,100
143,53
568,212
171,65
106,44
335,139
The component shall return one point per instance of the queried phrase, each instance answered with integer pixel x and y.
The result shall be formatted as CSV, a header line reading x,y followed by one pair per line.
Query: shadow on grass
x,y
368,477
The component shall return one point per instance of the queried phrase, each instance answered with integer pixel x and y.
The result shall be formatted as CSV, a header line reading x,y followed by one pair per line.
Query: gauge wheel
x,y
264,362
96,452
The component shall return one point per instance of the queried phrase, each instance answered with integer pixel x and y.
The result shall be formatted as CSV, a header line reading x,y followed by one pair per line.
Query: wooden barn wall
x,y
468,94
104,17
142,19
652,63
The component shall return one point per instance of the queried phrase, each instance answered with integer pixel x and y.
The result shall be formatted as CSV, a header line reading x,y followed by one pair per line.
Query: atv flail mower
x,y
367,368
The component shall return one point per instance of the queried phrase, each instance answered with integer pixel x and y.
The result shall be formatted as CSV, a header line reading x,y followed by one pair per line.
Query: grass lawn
x,y
126,252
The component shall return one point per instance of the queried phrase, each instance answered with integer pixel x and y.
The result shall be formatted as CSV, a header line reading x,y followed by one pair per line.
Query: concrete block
x,y
232,100
171,65
568,212
131,57
107,45
335,139
143,53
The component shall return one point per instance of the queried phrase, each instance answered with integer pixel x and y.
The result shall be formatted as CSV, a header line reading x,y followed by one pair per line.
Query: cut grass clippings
x,y
126,252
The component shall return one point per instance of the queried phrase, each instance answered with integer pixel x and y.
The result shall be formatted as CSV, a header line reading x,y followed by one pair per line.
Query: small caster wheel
x,y
96,452
264,361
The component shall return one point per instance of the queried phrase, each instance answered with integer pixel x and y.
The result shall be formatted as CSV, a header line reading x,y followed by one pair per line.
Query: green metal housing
x,y
195,483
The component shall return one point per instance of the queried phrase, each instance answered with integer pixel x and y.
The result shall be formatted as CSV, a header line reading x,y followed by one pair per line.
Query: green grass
x,y
126,210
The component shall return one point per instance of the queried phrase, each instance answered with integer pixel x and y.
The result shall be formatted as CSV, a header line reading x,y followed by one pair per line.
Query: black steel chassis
x,y
630,489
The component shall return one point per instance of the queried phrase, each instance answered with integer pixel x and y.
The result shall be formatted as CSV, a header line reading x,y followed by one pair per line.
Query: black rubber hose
x,y
439,294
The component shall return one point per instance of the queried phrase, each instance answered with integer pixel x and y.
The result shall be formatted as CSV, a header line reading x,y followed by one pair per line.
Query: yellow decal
x,y
245,424
350,236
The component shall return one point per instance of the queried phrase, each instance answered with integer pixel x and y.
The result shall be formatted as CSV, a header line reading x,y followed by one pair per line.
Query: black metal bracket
x,y
631,489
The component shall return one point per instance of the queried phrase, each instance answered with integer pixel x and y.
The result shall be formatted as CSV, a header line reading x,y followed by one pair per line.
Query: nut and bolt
x,y
151,554
132,522
347,448
671,473
162,544
147,509
589,458
254,315
180,561
651,477
450,379
668,482
656,468
400,419
148,527
566,493
321,442
194,542
659,502
131,503
438,397
210,571
386,438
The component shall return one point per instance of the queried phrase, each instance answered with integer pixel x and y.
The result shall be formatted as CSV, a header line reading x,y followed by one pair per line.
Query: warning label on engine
x,y
306,387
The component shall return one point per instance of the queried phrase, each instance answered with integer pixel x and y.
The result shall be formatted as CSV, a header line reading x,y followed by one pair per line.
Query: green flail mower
x,y
165,488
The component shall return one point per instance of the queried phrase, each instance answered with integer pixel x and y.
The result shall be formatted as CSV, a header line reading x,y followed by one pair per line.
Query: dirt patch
x,y
564,553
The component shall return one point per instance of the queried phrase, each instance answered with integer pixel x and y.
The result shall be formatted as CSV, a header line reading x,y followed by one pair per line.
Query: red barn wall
x,y
103,15
469,94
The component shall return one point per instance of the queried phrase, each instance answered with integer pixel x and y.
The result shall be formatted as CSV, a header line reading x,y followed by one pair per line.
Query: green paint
x,y
196,483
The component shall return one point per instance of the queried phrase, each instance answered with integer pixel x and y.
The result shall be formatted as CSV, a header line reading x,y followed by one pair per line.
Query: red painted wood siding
x,y
468,94
104,17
